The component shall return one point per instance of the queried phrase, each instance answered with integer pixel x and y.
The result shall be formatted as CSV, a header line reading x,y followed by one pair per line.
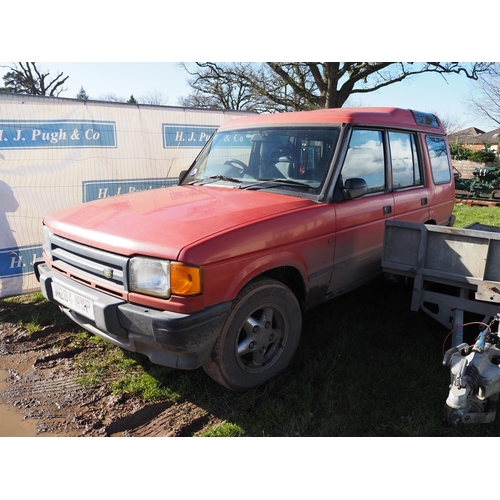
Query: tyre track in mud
x,y
42,383
162,419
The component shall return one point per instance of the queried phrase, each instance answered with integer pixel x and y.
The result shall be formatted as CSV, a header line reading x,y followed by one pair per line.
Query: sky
x,y
133,51
428,92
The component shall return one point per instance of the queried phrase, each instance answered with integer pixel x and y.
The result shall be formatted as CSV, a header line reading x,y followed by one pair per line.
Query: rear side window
x,y
438,156
365,159
404,160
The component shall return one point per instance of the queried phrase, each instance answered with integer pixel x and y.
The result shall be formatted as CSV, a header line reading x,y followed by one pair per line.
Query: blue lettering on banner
x,y
19,260
95,190
16,134
186,136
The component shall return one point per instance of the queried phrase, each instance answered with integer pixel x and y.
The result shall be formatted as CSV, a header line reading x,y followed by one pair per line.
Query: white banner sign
x,y
55,153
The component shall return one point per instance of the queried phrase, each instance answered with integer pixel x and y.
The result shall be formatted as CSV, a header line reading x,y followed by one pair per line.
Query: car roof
x,y
387,117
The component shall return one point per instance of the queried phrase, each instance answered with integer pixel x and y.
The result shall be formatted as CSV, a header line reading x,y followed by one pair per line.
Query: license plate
x,y
73,301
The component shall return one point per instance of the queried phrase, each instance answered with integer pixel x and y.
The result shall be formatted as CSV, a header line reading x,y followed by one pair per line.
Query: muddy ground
x,y
41,382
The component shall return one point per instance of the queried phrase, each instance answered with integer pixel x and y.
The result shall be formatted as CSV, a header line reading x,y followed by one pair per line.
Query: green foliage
x,y
461,152
11,83
27,78
82,95
485,155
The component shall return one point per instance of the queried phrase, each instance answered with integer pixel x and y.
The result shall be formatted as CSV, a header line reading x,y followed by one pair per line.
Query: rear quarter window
x,y
438,156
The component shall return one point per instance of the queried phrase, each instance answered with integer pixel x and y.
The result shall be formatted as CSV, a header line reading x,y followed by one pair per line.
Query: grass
x,y
223,430
31,311
366,366
467,215
125,372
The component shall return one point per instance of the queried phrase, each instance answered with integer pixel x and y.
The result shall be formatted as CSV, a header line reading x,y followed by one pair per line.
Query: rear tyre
x,y
259,338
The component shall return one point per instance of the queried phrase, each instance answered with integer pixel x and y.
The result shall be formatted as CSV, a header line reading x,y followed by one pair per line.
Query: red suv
x,y
278,214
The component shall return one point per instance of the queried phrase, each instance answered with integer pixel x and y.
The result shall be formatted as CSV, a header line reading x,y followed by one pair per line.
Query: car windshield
x,y
291,159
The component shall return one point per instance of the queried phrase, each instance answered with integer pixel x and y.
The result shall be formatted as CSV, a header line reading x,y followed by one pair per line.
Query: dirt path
x,y
41,382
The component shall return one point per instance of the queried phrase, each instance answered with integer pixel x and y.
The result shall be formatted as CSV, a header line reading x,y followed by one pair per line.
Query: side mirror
x,y
355,188
182,174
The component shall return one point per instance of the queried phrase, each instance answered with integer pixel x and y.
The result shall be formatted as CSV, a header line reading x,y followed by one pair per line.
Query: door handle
x,y
387,210
423,201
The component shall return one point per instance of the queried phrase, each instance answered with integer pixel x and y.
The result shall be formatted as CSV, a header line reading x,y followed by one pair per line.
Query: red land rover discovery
x,y
277,214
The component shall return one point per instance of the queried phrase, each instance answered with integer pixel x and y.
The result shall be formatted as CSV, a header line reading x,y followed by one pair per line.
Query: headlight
x,y
162,278
150,276
46,242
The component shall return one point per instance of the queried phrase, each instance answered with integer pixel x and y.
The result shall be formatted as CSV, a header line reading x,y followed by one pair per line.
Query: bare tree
x,y
484,101
283,86
225,86
154,97
451,123
111,97
28,79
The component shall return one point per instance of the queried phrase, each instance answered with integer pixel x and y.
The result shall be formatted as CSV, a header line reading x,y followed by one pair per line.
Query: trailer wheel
x,y
259,338
450,416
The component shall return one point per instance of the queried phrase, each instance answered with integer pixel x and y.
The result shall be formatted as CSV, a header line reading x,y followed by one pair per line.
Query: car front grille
x,y
90,266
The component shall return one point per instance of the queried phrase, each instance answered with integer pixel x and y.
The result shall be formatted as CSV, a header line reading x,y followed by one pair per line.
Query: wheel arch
x,y
292,278
291,274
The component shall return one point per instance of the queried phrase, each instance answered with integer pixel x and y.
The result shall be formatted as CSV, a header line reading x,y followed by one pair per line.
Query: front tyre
x,y
259,337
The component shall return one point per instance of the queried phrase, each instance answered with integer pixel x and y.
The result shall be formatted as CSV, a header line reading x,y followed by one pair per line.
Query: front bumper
x,y
167,338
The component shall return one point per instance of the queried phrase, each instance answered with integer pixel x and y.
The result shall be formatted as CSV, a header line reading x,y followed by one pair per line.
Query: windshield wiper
x,y
276,180
213,178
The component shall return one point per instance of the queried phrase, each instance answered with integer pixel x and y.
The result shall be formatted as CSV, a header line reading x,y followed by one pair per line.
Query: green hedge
x,y
461,152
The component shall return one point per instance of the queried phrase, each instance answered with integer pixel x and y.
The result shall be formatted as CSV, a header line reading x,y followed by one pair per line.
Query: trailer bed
x,y
454,270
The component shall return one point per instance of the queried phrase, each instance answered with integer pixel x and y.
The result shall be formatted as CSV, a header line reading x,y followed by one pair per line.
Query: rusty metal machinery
x,y
475,380
485,185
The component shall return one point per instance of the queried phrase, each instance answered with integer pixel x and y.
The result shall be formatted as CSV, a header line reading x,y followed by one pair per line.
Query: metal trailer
x,y
455,271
